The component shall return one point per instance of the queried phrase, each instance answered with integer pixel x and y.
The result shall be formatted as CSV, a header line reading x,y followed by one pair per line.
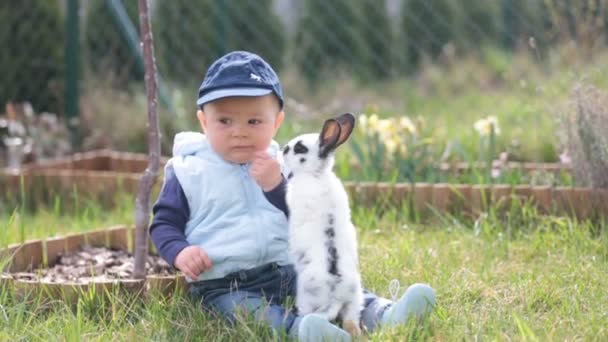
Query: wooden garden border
x,y
101,173
45,252
103,160
474,199
525,167
109,160
98,174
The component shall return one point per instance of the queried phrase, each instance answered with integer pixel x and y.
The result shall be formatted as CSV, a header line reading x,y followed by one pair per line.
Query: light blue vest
x,y
230,218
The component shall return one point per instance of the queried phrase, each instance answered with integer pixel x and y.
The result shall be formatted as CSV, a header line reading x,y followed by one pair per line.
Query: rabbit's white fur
x,y
322,238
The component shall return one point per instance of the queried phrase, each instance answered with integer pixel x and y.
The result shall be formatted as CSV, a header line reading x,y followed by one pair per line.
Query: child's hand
x,y
266,171
193,261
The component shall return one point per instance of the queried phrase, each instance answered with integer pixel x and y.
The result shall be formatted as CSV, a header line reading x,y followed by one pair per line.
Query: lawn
x,y
521,276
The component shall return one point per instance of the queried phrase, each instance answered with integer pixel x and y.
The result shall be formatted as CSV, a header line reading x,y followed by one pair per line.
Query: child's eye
x,y
225,121
254,122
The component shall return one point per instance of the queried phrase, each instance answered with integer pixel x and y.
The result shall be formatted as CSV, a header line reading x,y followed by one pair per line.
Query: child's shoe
x,y
418,300
316,328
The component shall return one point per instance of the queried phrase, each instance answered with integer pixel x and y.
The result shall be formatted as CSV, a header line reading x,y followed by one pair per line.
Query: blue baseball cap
x,y
239,73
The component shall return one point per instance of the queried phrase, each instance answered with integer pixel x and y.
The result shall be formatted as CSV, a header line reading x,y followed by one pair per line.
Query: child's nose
x,y
239,131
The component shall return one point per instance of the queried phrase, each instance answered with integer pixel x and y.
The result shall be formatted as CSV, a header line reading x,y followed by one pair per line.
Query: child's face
x,y
237,127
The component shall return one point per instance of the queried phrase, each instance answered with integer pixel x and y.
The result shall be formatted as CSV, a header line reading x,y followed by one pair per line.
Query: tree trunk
x,y
142,203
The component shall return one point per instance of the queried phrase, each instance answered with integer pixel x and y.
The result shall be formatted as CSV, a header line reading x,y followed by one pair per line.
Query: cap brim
x,y
221,93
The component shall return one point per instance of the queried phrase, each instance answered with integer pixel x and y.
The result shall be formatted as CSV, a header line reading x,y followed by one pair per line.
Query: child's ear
x,y
202,119
278,121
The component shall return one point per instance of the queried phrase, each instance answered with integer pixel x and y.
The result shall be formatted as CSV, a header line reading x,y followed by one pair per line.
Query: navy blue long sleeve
x,y
276,197
171,213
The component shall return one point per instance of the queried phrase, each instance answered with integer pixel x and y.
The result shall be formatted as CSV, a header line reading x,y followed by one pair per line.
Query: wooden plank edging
x,y
573,201
31,255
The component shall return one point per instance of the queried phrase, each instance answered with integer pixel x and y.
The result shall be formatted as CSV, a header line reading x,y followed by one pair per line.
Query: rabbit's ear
x,y
328,138
347,123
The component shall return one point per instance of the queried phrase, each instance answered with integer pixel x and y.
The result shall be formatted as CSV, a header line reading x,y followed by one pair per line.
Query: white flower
x,y
391,145
485,126
362,123
385,126
495,173
406,123
565,158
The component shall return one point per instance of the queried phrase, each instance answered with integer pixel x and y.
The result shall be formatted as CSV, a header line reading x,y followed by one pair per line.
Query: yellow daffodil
x,y
372,122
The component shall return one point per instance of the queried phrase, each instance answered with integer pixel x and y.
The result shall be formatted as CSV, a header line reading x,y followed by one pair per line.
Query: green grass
x,y
515,276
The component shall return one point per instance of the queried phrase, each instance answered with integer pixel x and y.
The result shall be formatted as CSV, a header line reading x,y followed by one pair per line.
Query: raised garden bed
x,y
97,175
103,173
97,160
55,268
452,198
525,167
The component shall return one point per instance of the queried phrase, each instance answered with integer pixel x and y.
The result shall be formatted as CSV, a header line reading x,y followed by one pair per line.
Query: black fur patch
x,y
299,148
332,252
286,149
303,259
302,160
290,175
333,258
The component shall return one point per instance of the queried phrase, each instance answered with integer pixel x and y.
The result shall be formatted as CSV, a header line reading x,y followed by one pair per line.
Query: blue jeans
x,y
262,291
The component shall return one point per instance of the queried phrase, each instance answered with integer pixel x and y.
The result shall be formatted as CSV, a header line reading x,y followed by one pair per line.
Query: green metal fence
x,y
54,52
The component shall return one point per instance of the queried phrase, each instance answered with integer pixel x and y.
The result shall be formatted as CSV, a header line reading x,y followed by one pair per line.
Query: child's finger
x,y
188,271
201,263
205,259
261,155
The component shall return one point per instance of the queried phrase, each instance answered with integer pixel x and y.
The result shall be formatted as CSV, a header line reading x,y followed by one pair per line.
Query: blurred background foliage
x,y
447,63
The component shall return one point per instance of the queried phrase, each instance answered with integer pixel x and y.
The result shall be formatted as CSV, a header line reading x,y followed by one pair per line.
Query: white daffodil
x,y
385,126
391,145
362,123
481,126
407,124
485,126
493,122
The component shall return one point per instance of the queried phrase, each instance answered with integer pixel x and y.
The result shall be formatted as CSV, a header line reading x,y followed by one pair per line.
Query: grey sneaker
x,y
418,300
316,328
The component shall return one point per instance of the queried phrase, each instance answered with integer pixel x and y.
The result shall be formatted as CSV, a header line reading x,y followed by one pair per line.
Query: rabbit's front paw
x,y
352,328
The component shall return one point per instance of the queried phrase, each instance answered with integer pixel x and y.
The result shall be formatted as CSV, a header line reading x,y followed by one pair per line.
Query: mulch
x,y
94,264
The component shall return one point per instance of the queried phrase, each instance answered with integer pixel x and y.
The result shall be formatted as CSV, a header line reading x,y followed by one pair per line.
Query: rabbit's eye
x,y
286,149
300,148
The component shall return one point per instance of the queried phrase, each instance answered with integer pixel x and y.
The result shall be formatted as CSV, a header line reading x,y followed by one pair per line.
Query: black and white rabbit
x,y
322,238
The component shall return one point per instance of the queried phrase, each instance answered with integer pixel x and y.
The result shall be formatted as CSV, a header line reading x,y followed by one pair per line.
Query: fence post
x,y
71,73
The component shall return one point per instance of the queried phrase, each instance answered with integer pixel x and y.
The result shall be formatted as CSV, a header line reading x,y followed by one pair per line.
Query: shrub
x,y
343,35
525,19
31,61
426,27
191,34
476,23
106,47
378,37
586,126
